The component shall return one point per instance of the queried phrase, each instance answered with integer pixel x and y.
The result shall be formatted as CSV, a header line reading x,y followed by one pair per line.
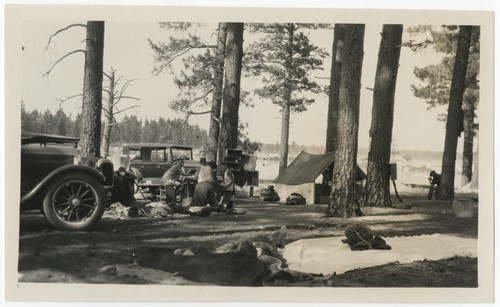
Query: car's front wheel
x,y
74,202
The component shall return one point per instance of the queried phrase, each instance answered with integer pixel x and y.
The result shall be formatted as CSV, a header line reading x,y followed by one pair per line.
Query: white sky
x,y
127,50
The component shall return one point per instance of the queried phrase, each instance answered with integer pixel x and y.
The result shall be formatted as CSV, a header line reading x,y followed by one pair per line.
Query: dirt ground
x,y
50,255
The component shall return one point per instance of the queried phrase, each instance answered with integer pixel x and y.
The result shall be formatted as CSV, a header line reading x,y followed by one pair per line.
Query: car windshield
x,y
149,154
181,152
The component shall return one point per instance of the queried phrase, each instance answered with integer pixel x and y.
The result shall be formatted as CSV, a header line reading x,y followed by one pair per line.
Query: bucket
x,y
463,207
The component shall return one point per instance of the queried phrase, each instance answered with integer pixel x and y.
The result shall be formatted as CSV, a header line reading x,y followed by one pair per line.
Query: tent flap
x,y
307,167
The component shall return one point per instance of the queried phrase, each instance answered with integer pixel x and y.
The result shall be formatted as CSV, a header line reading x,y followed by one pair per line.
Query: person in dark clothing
x,y
204,198
204,194
434,182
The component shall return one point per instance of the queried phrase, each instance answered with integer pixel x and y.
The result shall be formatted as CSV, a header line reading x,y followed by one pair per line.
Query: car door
x,y
161,159
148,165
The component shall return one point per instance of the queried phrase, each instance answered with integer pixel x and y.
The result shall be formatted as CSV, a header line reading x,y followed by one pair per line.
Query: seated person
x,y
191,179
205,200
204,195
434,181
205,173
203,162
174,177
175,174
227,185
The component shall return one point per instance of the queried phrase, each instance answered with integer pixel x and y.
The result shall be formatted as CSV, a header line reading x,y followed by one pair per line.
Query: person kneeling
x,y
204,199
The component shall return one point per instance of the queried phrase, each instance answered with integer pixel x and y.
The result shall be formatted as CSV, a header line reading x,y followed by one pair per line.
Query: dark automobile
x,y
149,161
70,191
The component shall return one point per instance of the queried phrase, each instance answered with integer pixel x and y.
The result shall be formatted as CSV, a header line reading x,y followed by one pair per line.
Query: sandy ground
x,y
50,255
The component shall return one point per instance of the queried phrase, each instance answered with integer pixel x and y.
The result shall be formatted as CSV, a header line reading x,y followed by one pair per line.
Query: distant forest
x,y
176,131
129,130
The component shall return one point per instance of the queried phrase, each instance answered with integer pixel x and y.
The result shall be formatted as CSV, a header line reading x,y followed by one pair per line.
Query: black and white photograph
x,y
232,154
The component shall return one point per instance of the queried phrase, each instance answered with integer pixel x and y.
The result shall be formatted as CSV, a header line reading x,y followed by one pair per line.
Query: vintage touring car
x,y
71,191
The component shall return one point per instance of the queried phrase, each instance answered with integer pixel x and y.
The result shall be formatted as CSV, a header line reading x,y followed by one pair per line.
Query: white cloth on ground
x,y
329,255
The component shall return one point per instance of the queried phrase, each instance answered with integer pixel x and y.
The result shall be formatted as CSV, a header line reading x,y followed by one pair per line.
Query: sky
x,y
127,50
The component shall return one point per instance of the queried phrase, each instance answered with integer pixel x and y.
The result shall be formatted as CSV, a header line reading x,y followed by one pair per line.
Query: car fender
x,y
136,173
58,172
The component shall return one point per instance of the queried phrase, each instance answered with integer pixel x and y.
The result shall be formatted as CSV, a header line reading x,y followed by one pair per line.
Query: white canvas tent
x,y
300,175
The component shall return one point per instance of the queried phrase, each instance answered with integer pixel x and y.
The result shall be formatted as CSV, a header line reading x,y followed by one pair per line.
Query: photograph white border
x,y
15,15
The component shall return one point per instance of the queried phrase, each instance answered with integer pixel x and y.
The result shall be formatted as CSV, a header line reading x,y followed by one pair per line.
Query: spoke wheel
x,y
74,202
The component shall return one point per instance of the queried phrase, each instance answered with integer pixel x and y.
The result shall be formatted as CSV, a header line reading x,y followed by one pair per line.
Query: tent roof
x,y
307,167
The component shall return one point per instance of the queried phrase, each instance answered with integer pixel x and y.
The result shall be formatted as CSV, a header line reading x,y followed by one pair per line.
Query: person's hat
x,y
203,160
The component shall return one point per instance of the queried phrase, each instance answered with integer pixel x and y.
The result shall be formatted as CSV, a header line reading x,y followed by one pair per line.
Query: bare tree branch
x,y
119,94
132,107
189,113
65,56
107,113
61,101
108,76
127,97
63,29
124,97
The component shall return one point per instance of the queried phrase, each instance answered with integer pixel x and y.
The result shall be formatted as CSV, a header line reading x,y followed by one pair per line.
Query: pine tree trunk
x,y
343,197
108,114
214,130
90,135
378,173
474,182
285,132
333,99
230,109
287,97
467,158
454,120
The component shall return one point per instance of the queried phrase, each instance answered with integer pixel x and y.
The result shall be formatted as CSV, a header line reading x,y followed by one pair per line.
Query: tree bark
x,y
90,135
287,97
378,174
474,182
231,103
108,114
214,130
333,98
285,132
454,121
343,197
468,148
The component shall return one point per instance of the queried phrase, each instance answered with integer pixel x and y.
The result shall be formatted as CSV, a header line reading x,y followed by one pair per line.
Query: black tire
x,y
74,202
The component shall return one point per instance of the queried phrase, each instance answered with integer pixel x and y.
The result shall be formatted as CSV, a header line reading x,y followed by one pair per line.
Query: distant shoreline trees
x,y
130,130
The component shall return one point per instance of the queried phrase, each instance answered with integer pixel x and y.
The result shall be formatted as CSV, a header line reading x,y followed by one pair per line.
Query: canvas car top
x,y
32,137
157,145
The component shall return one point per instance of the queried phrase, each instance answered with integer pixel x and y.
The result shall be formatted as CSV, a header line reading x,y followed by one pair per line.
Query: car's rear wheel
x,y
74,202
